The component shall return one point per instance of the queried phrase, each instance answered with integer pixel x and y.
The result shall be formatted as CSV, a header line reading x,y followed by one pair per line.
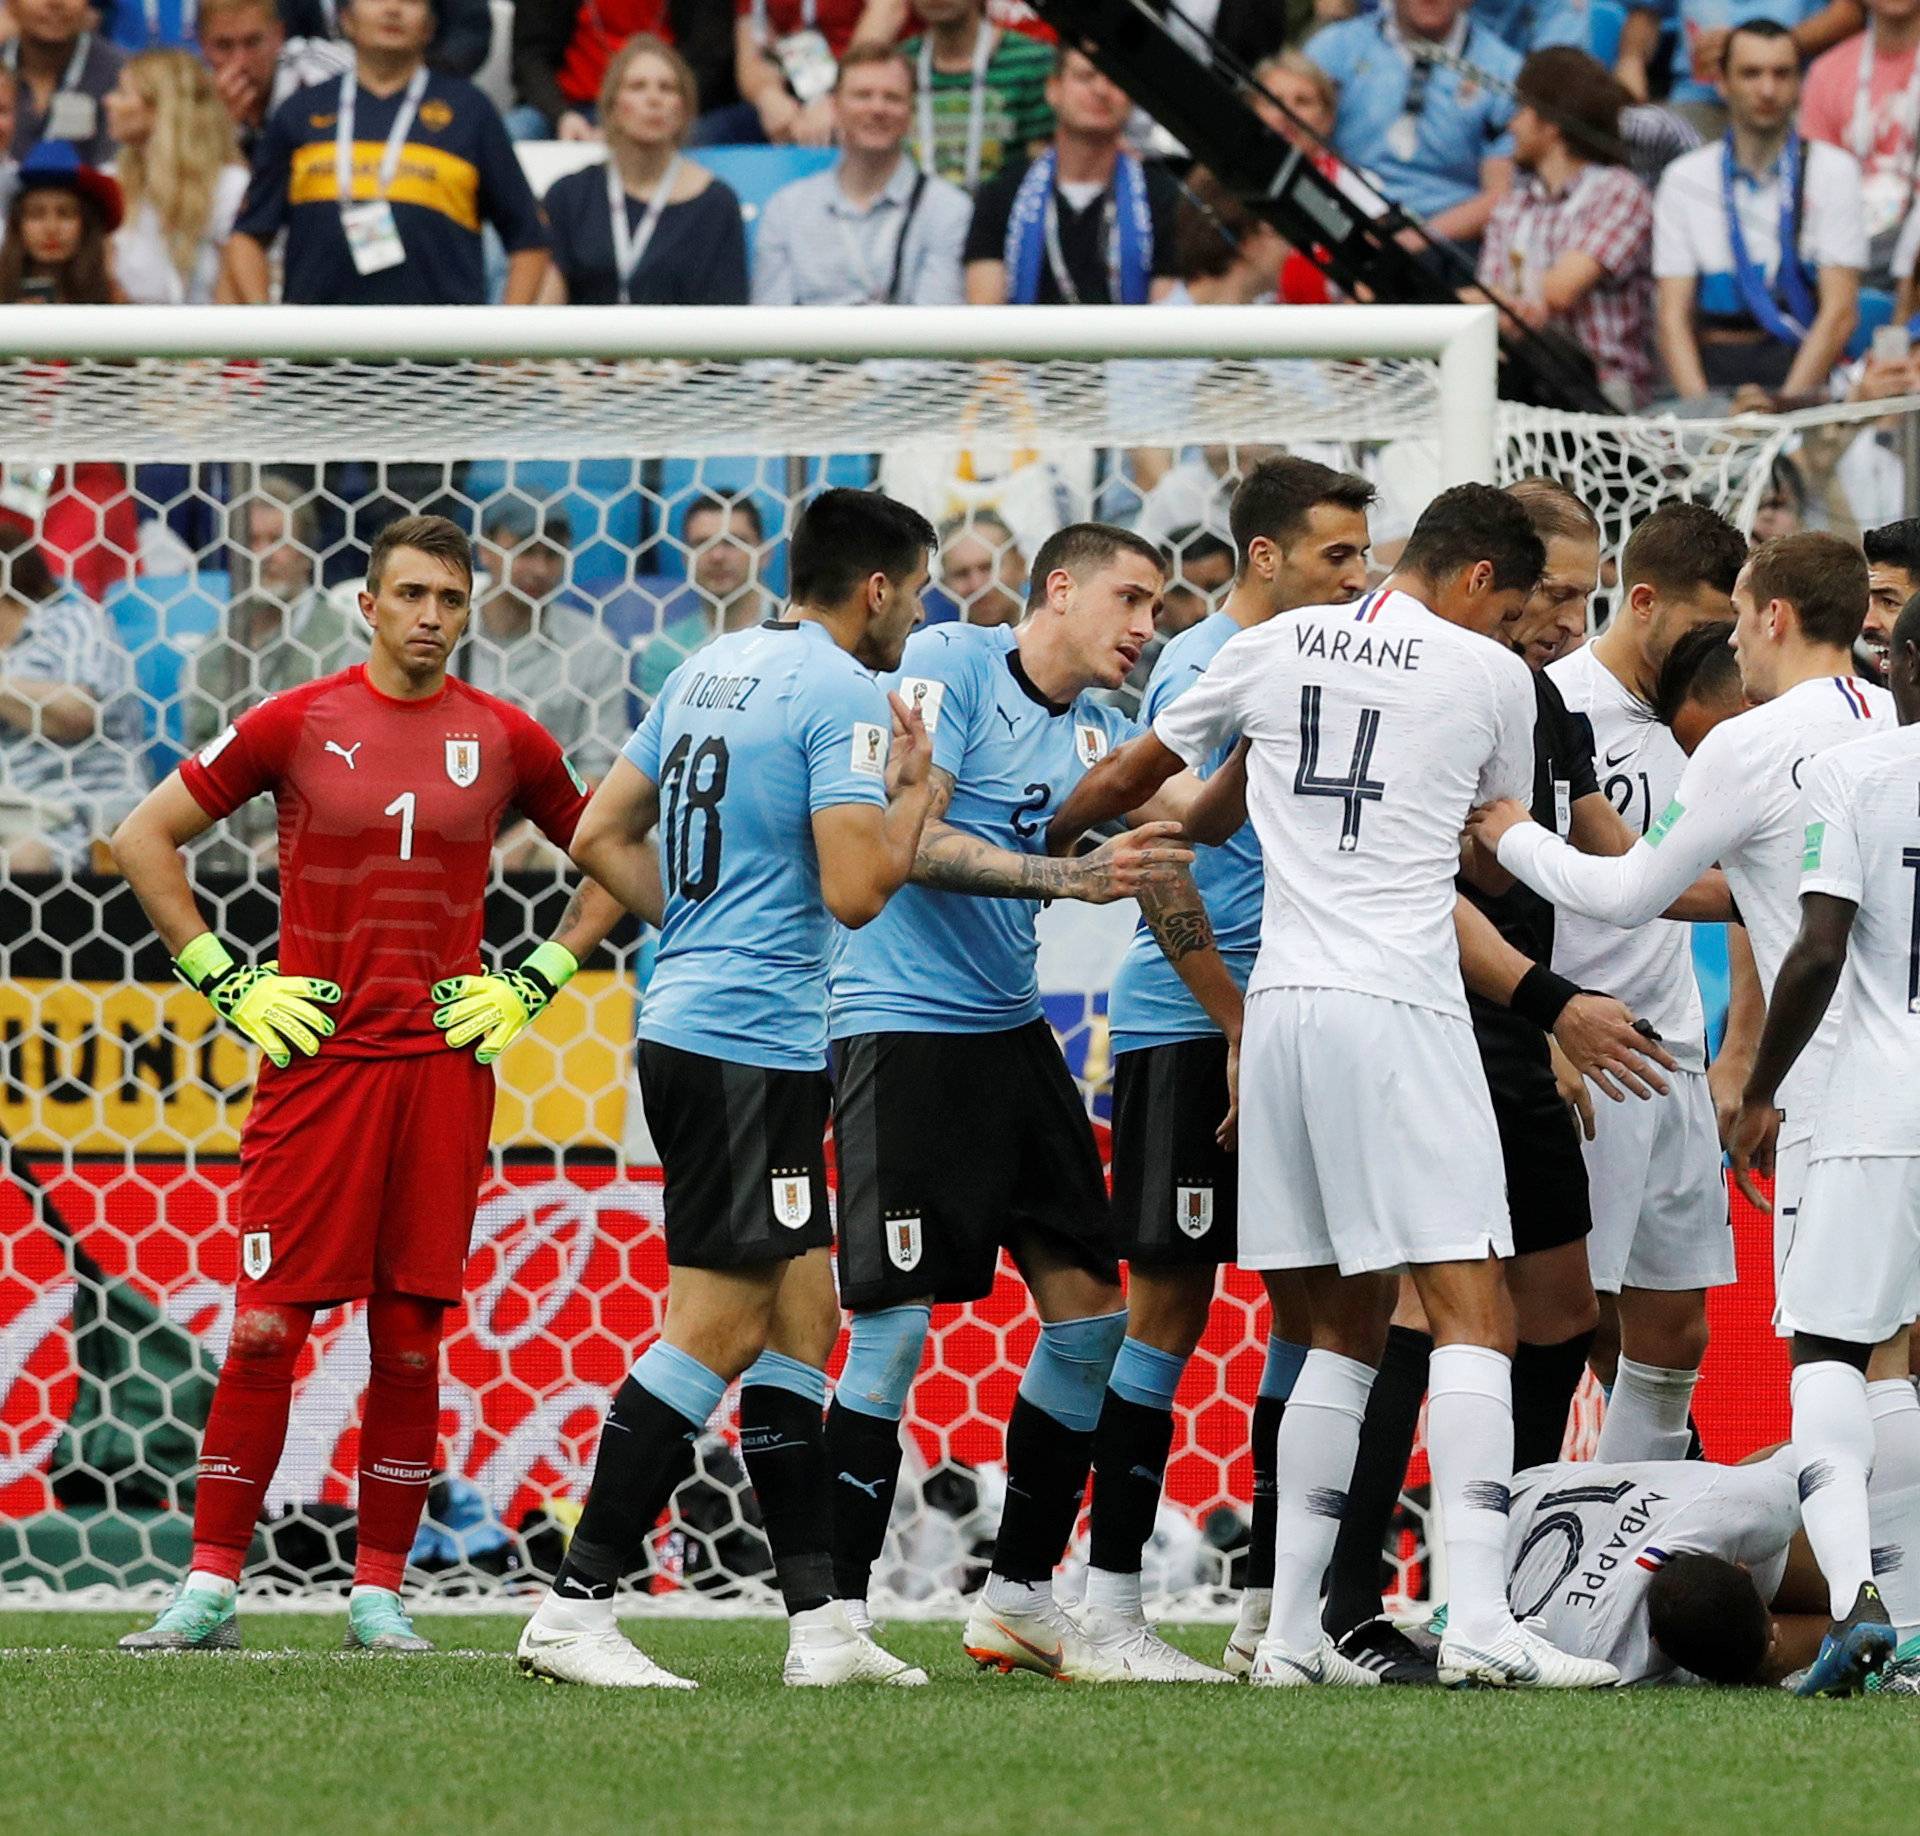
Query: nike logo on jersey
x,y
346,752
1614,760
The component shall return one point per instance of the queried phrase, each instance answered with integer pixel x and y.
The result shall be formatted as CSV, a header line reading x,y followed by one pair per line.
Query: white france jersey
x,y
1739,802
1638,763
1863,845
1585,1540
1375,727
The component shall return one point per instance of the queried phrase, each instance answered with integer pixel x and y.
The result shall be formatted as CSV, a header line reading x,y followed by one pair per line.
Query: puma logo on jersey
x,y
346,752
1013,732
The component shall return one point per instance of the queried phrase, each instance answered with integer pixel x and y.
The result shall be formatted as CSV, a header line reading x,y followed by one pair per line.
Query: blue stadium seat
x,y
162,620
1606,20
1876,310
756,173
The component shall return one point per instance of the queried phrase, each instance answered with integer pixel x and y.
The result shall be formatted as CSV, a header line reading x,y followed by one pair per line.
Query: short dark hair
x,y
1085,548
1769,29
1701,666
1823,578
1894,545
1681,545
726,508
1195,543
430,535
1471,523
24,573
844,536
1276,498
1554,509
1576,93
1208,228
1706,1615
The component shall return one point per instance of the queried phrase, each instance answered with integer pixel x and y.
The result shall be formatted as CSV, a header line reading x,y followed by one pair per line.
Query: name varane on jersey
x,y
1148,1004
1376,726
748,740
388,812
1740,803
1863,845
940,962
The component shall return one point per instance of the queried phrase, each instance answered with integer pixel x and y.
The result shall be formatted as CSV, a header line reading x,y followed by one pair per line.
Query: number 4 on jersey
x,y
1356,787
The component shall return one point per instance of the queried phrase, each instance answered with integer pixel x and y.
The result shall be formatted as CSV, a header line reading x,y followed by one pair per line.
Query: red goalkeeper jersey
x,y
388,813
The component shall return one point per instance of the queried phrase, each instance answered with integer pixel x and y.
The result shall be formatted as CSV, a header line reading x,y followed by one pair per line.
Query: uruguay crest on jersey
x,y
1193,1210
1089,743
792,1198
903,1244
463,759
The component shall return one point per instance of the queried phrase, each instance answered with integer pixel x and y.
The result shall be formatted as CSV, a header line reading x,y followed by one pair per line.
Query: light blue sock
x,y
779,1372
1067,1374
1284,1359
883,1358
680,1381
1145,1375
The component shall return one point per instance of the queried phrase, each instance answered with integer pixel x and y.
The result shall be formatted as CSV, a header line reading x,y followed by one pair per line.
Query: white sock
x,y
1003,1596
203,1583
557,1613
1319,1437
826,1623
1893,1499
1470,1445
1833,1450
1116,1592
1256,1610
1647,1414
859,1616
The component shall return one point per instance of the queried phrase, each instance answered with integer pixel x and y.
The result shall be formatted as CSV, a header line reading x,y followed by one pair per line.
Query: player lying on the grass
x,y
959,1127
1848,1279
789,793
361,1158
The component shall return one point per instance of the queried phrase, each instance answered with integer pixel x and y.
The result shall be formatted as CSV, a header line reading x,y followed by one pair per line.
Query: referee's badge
x,y
792,1199
256,1253
1091,744
903,1244
924,695
1193,1210
463,760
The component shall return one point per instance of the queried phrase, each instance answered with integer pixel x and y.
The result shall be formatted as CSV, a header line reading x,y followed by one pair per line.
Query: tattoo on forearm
x,y
1177,918
575,912
953,862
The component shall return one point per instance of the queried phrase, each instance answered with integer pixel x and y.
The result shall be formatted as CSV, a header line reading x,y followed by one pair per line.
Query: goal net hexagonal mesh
x,y
206,520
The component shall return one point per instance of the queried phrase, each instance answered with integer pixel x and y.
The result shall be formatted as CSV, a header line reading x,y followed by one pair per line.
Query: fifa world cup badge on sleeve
x,y
924,695
463,758
1090,743
792,1198
903,1244
1193,1210
256,1253
869,749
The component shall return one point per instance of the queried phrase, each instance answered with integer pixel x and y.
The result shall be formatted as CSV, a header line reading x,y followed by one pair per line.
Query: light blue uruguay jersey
x,y
1149,1004
948,962
749,737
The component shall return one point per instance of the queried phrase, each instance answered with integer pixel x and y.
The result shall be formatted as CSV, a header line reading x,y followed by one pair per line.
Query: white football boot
x,y
1520,1659
825,1650
1277,1667
597,1654
1041,1638
1243,1642
1139,1652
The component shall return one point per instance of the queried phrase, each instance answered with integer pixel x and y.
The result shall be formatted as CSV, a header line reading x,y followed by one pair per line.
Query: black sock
x,y
646,1449
1046,1474
1130,1449
1267,1411
784,1445
863,1462
1379,1471
1544,1380
1696,1449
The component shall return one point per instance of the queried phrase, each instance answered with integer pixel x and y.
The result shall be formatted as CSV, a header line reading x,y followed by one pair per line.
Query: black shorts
x,y
1539,1139
1176,1190
952,1145
744,1151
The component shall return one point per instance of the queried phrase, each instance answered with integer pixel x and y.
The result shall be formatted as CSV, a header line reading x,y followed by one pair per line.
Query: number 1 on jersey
x,y
402,806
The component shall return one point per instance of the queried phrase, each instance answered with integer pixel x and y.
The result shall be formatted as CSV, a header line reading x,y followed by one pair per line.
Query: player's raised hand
x,y
1750,1145
1151,855
910,757
1605,1043
281,1014
1492,820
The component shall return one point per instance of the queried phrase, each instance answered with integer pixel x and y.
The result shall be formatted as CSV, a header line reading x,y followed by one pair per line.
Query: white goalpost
x,y
205,482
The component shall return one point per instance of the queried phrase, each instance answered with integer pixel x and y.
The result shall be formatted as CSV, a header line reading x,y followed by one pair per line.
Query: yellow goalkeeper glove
x,y
275,1011
496,1009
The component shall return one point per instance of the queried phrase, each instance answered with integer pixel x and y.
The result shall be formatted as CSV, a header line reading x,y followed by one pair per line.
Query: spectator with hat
x,y
56,248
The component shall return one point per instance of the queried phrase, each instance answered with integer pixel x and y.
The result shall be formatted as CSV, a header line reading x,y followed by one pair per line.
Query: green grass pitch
x,y
309,1741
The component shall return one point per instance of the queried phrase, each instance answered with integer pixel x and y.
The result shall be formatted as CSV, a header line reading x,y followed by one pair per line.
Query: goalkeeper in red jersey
x,y
361,1160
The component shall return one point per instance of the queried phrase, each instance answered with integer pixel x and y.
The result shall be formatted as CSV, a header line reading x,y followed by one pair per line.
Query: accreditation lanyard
x,y
763,26
70,77
1057,256
630,240
1788,326
189,12
985,39
396,136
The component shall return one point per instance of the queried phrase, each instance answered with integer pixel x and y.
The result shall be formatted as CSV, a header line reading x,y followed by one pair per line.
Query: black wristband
x,y
1541,995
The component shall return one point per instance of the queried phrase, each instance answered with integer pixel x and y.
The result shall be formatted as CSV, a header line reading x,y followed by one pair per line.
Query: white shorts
x,y
1658,1197
1850,1268
1366,1136
1790,1163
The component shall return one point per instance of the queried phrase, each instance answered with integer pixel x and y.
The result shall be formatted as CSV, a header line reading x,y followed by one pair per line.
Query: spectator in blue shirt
x,y
1425,98
1699,31
427,162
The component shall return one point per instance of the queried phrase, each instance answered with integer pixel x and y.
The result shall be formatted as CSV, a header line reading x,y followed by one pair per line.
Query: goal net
x,y
203,488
